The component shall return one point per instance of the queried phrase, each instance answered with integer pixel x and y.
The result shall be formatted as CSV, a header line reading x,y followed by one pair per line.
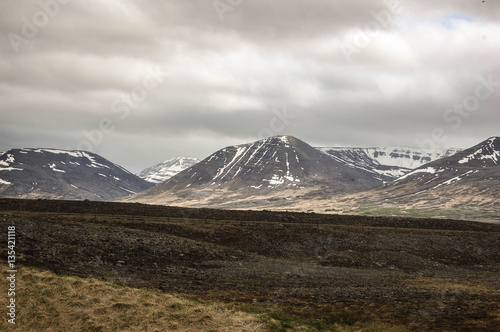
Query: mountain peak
x,y
486,153
281,139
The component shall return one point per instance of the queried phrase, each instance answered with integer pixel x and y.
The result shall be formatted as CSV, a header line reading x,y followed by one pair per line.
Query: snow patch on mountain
x,y
427,170
10,169
166,169
55,169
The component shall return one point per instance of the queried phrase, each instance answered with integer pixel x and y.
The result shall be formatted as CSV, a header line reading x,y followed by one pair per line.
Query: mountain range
x,y
61,174
284,171
280,172
386,164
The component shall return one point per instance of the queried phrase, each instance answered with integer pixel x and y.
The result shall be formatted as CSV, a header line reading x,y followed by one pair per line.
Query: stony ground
x,y
425,274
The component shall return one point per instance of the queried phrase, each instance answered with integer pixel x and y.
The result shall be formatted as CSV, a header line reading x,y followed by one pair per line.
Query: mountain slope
x,y
386,164
165,170
469,179
60,174
275,168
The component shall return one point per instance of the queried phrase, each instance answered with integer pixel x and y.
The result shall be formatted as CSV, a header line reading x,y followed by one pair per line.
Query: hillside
x,y
61,174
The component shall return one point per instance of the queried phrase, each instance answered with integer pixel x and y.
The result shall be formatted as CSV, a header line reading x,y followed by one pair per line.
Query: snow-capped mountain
x,y
61,174
389,163
266,167
468,179
165,170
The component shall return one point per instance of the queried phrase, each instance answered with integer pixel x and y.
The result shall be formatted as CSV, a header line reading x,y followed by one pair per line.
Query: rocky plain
x,y
412,274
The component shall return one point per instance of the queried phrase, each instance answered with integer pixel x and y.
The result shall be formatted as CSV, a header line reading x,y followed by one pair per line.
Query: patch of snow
x,y
395,173
4,182
224,170
94,163
285,140
275,181
455,179
55,151
260,143
53,167
130,191
427,170
10,169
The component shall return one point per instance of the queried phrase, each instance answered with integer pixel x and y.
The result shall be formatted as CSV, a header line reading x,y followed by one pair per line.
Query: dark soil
x,y
427,274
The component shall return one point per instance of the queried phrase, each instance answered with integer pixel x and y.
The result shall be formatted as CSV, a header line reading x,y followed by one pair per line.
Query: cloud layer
x,y
81,74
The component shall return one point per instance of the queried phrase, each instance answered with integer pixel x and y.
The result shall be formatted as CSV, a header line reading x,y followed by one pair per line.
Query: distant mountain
x,y
456,167
276,168
469,179
165,170
60,174
386,164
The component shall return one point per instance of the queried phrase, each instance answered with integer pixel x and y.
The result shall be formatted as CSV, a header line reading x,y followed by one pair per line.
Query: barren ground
x,y
424,274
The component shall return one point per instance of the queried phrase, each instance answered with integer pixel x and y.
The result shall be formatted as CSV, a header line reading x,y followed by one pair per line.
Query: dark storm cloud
x,y
77,74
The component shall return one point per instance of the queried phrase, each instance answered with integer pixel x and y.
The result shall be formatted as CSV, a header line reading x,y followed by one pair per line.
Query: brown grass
x,y
47,302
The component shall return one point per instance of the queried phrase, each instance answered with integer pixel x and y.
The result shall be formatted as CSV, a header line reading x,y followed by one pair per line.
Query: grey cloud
x,y
225,78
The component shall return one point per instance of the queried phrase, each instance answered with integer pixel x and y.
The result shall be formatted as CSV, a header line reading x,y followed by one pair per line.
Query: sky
x,y
142,81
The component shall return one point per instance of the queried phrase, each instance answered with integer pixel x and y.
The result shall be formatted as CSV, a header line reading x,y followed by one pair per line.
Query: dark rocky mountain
x,y
276,168
60,174
469,179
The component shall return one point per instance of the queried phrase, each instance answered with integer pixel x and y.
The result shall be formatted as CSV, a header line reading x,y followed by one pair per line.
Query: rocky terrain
x,y
419,274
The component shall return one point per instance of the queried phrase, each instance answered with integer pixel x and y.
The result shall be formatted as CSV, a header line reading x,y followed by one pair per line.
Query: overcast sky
x,y
142,81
